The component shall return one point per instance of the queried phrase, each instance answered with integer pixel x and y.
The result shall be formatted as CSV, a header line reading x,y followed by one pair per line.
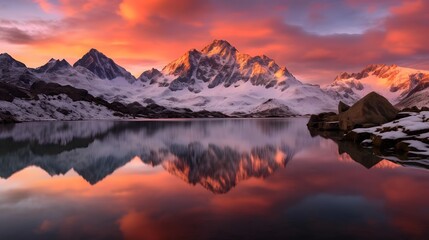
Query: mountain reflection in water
x,y
216,154
260,178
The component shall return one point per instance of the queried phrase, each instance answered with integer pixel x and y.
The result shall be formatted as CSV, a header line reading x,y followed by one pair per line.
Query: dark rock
x,y
342,107
359,154
118,114
411,109
118,107
330,126
7,117
64,111
403,147
136,109
403,114
323,121
357,137
52,89
385,143
14,91
373,109
5,96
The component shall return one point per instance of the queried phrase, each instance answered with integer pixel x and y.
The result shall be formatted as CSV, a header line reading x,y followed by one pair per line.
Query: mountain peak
x,y
7,60
5,55
102,66
220,47
95,51
53,65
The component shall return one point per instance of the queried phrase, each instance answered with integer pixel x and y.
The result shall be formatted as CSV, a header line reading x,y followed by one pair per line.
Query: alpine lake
x,y
202,179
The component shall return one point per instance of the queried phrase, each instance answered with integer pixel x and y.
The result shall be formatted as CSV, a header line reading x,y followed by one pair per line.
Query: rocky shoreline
x,y
376,125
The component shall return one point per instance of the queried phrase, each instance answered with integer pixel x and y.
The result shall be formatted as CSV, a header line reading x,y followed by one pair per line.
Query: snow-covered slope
x,y
103,67
58,107
220,78
395,83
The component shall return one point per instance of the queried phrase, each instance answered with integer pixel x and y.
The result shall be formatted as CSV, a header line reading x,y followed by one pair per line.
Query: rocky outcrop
x,y
404,141
324,122
372,110
8,92
342,107
7,117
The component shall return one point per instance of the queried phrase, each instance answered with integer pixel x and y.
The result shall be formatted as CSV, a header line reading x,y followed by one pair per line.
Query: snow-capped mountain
x,y
220,78
219,64
397,84
15,72
53,65
102,66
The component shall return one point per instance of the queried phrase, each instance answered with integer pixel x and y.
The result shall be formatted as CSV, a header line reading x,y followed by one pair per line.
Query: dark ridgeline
x,y
102,66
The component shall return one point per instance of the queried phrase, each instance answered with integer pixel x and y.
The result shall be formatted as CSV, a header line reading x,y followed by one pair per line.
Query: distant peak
x,y
93,50
221,42
6,55
10,60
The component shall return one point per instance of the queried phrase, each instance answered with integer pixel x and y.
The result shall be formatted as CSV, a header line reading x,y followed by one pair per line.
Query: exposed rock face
x,y
324,122
402,86
150,75
8,92
342,107
371,110
103,66
219,64
15,72
6,117
52,66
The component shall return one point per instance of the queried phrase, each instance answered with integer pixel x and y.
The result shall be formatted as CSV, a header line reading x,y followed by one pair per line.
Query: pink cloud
x,y
159,31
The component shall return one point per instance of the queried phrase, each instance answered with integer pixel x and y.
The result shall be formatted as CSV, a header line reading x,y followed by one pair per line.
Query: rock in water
x,y
371,110
342,107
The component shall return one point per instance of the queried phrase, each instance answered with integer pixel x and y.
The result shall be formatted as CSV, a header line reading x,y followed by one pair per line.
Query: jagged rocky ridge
x,y
404,87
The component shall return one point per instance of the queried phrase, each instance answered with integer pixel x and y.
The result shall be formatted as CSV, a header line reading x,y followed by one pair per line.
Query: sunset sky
x,y
315,40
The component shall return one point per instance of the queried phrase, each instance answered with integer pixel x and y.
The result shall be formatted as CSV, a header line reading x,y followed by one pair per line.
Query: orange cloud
x,y
138,33
45,5
141,11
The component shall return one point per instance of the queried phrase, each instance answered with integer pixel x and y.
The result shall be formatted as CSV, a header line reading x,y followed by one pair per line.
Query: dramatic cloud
x,y
315,39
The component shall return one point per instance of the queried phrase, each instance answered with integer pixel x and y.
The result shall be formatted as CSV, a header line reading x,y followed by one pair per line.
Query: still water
x,y
201,179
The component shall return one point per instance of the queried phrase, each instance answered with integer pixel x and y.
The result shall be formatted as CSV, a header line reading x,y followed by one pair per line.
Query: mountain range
x,y
217,80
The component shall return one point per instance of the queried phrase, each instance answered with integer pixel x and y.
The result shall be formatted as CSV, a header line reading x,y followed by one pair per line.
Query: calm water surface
x,y
201,179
